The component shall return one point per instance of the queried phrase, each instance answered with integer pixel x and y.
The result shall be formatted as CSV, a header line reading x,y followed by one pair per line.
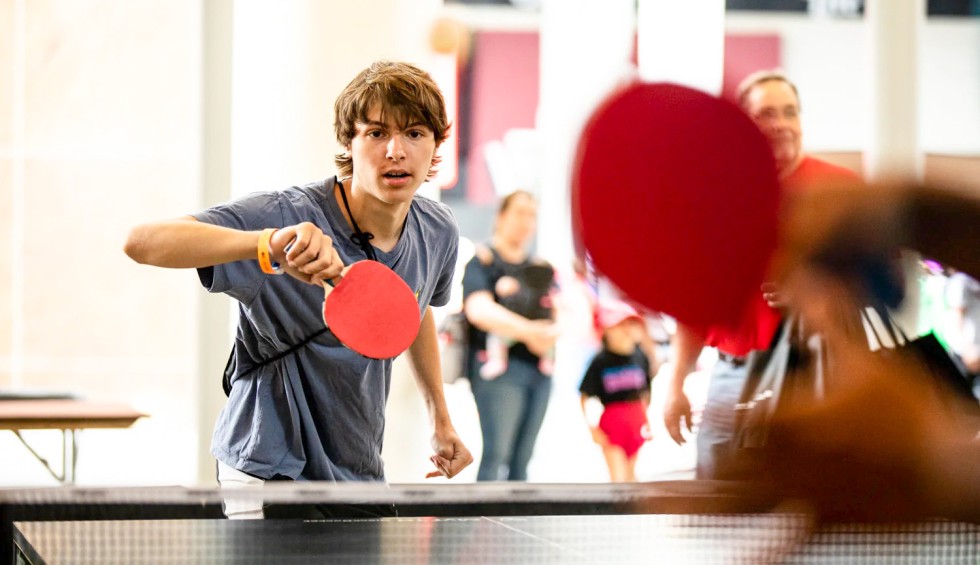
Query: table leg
x,y
72,457
69,456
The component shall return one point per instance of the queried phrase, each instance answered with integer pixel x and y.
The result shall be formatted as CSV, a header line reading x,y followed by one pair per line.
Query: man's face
x,y
776,110
391,161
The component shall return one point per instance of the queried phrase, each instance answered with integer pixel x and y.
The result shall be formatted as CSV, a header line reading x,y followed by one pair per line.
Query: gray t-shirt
x,y
317,413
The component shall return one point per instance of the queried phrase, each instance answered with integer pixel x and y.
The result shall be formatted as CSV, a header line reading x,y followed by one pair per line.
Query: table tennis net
x,y
521,524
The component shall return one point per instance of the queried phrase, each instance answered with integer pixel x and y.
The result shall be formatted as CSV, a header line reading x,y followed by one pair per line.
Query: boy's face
x,y
391,161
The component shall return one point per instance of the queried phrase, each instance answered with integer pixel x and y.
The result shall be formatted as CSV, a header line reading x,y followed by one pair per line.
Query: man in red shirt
x,y
772,101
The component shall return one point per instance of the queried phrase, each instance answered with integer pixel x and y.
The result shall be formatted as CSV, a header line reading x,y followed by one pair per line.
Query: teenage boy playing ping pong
x,y
315,410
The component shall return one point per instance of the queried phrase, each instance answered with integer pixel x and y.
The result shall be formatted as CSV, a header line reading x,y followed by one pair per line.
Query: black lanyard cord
x,y
362,239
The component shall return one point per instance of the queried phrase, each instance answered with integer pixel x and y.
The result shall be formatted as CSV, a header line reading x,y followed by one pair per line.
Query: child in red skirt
x,y
619,376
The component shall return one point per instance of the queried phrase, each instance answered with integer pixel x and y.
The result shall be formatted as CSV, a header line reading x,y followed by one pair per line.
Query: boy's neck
x,y
384,222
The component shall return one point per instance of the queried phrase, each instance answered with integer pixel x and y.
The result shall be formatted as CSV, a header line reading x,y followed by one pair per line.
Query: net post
x,y
6,534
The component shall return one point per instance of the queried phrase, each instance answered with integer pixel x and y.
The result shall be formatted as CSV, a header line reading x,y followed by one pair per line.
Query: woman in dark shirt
x,y
507,301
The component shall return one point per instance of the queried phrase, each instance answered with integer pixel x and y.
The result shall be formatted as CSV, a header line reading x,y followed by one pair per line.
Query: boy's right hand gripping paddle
x,y
675,198
372,310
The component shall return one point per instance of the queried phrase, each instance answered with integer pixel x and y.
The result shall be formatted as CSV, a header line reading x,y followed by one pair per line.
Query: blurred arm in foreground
x,y
885,443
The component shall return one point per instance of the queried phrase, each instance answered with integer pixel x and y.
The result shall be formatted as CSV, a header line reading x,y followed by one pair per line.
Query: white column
x,y
213,324
682,42
893,31
584,54
585,51
282,114
18,189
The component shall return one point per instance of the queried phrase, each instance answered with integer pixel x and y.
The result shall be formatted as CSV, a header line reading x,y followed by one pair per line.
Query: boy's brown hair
x,y
401,89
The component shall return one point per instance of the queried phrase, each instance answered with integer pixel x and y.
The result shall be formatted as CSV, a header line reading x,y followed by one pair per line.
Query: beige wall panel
x,y
6,272
101,326
84,297
6,81
959,171
112,78
847,159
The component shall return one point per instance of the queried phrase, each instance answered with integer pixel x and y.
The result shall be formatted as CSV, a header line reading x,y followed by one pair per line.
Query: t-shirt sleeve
x,y
592,381
240,279
444,286
476,277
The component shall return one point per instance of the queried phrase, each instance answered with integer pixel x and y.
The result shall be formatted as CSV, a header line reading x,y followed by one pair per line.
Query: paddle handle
x,y
328,284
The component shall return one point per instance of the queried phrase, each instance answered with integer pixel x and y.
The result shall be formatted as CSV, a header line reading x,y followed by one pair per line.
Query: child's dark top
x,y
612,377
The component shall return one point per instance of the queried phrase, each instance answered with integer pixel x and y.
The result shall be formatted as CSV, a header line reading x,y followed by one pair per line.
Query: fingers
x,y
327,265
673,420
305,245
677,410
674,430
772,295
308,253
459,458
442,466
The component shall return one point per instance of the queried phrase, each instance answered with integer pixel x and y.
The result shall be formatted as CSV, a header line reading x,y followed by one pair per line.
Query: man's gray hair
x,y
760,77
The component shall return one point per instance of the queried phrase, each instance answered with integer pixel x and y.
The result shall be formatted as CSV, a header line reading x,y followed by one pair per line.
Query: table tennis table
x,y
485,523
63,412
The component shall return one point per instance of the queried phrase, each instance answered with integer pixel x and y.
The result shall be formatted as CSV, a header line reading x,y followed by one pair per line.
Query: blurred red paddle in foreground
x,y
675,198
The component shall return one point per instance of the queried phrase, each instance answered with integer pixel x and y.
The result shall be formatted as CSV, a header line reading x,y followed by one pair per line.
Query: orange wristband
x,y
265,253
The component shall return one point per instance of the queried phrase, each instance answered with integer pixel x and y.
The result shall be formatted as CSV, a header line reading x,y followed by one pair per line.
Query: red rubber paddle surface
x,y
372,311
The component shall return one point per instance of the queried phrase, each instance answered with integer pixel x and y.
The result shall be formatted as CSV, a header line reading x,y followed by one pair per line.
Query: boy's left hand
x,y
450,456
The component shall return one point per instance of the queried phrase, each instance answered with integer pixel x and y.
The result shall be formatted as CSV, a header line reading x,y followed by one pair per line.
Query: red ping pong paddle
x,y
372,310
675,197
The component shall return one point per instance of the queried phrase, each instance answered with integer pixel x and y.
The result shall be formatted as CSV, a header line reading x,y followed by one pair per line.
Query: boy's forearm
x,y
424,356
187,243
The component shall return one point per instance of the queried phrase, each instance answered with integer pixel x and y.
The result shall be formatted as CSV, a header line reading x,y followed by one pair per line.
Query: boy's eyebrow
x,y
376,123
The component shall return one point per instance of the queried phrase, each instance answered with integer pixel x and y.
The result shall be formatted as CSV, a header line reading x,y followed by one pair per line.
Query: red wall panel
x,y
503,95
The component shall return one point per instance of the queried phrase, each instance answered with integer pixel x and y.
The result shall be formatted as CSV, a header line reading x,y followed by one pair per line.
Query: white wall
x,y
827,59
949,72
